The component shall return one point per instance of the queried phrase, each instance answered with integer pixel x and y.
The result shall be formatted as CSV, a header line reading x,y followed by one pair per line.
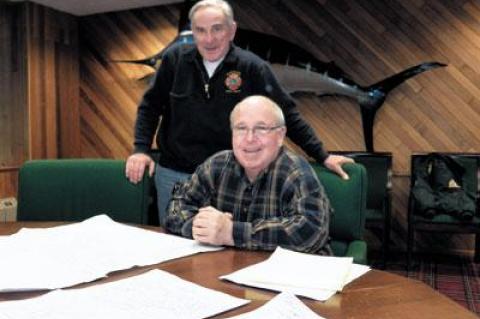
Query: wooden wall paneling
x,y
36,84
38,87
111,91
13,111
50,86
454,22
472,8
92,146
108,109
67,89
8,182
52,51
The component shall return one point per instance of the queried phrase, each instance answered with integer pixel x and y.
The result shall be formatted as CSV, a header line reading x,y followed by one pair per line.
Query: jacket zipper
x,y
207,92
206,80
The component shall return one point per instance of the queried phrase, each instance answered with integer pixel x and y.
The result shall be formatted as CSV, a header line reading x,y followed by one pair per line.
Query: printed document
x,y
282,306
154,294
62,256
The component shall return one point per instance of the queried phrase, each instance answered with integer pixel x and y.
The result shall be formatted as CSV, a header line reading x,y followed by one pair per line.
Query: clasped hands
x,y
211,226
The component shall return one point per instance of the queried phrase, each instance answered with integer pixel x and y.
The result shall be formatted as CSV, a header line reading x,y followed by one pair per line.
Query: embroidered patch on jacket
x,y
233,81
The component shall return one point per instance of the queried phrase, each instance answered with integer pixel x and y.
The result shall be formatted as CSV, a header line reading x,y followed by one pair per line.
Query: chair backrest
x,y
75,189
469,161
348,199
379,175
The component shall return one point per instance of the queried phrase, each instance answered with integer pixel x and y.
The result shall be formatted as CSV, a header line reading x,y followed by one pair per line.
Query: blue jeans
x,y
165,179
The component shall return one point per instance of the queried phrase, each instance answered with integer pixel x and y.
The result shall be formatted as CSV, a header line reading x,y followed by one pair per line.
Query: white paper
x,y
316,294
154,294
66,255
312,276
282,306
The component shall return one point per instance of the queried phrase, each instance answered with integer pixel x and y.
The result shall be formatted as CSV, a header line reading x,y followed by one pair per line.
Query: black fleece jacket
x,y
194,110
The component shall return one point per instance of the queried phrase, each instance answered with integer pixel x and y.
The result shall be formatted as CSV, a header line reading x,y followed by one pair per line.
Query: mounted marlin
x,y
300,72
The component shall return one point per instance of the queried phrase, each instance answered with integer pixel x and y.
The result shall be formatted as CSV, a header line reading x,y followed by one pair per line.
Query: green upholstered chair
x,y
75,189
379,193
348,199
443,223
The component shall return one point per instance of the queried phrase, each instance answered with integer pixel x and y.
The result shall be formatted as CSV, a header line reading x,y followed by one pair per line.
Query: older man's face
x,y
256,137
212,33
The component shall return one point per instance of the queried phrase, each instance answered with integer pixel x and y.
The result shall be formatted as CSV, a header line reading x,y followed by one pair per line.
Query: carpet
x,y
454,276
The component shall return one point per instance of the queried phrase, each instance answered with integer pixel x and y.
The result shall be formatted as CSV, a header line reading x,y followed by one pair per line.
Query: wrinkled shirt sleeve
x,y
187,198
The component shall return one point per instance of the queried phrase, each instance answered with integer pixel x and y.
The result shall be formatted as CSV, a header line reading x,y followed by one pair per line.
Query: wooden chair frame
x,y
416,224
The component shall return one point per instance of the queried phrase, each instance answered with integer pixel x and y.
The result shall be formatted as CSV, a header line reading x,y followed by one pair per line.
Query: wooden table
x,y
377,294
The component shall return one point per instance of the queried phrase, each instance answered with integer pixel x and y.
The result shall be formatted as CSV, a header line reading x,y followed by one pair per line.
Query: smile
x,y
252,151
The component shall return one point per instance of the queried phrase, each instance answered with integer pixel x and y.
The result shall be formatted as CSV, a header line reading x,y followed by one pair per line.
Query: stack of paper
x,y
316,277
155,294
63,256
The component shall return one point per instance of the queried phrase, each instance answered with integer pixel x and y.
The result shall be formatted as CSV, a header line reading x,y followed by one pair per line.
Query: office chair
x,y
348,199
75,189
379,193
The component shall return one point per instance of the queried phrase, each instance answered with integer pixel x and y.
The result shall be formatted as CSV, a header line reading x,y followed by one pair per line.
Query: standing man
x,y
258,196
193,93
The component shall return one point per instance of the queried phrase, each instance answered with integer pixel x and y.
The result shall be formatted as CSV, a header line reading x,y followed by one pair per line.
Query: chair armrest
x,y
358,250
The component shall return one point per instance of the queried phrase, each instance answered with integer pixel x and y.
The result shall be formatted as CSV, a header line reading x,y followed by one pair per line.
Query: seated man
x,y
258,196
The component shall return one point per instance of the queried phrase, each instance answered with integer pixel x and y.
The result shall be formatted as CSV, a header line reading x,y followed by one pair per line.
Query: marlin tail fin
x,y
376,94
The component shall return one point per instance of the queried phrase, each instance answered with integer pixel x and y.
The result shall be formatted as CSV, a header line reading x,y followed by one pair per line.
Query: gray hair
x,y
275,109
220,4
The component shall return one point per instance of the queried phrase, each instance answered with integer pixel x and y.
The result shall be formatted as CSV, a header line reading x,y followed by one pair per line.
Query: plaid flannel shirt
x,y
285,206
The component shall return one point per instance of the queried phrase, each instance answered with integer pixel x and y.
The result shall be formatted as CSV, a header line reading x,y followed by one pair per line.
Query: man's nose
x,y
250,135
209,36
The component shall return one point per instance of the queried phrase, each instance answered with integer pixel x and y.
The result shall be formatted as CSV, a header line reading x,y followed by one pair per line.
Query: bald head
x,y
260,103
258,131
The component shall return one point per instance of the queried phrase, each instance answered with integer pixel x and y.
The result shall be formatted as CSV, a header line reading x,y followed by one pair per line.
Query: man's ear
x,y
283,133
233,30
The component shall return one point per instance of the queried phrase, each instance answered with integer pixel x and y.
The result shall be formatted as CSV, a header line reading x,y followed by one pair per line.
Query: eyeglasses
x,y
259,130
